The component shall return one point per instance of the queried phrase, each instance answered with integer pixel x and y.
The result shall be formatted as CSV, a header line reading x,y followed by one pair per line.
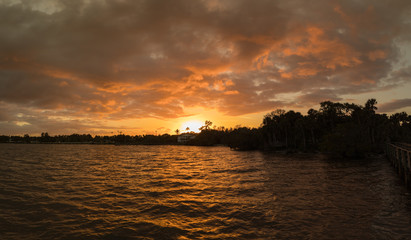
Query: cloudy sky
x,y
100,67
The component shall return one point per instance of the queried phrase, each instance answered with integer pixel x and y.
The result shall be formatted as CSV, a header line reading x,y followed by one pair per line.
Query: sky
x,y
151,67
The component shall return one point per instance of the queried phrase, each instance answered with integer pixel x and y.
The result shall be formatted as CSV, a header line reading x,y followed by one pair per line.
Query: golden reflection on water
x,y
177,192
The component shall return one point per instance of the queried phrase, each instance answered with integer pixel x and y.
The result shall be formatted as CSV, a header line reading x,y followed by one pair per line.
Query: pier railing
x,y
400,156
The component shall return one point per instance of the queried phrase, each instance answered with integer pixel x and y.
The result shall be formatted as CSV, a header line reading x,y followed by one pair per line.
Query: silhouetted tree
x,y
45,137
347,129
26,138
207,126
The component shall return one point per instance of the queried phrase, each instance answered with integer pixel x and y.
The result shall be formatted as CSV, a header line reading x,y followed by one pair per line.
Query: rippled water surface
x,y
179,192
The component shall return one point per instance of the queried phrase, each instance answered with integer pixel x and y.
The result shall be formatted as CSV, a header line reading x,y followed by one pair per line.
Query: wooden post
x,y
400,156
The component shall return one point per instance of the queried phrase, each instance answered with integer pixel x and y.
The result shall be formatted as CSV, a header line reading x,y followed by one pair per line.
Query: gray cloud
x,y
136,59
395,105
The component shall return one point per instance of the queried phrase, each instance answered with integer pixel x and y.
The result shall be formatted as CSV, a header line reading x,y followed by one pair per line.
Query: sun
x,y
193,126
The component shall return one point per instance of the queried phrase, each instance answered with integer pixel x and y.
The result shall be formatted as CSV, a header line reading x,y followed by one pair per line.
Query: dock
x,y
400,156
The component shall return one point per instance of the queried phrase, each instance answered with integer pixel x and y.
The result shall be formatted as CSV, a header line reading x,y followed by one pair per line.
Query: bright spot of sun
x,y
193,126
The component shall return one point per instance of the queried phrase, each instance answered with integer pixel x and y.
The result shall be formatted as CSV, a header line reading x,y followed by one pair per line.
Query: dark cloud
x,y
134,59
395,105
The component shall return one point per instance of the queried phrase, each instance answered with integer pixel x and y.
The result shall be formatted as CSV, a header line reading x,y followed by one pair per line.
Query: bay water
x,y
58,191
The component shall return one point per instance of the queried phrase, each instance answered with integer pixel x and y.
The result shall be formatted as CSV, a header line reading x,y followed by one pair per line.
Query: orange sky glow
x,y
153,66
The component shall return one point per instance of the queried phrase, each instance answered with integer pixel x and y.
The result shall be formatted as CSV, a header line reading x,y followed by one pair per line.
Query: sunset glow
x,y
146,67
205,119
193,126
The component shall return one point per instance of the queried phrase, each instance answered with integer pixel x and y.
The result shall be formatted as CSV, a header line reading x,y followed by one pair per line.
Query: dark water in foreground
x,y
177,192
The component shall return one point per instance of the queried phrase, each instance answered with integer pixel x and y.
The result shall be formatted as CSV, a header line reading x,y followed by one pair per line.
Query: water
x,y
179,192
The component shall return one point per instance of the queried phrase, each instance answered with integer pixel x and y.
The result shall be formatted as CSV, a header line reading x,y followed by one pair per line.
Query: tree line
x,y
347,129
87,138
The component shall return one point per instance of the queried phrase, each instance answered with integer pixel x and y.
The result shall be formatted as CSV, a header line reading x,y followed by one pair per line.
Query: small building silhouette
x,y
185,137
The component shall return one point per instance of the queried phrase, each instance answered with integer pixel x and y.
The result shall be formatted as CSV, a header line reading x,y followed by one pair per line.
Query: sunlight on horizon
x,y
196,67
193,126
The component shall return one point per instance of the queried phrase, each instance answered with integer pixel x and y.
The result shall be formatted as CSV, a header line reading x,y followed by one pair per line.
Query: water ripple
x,y
178,192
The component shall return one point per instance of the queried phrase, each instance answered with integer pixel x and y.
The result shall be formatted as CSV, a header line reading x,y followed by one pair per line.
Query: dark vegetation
x,y
346,129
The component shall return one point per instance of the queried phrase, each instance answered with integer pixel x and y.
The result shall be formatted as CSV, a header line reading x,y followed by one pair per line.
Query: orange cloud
x,y
377,54
125,60
231,92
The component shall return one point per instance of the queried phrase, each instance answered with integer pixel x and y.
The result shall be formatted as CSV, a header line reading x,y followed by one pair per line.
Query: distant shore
x,y
344,129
